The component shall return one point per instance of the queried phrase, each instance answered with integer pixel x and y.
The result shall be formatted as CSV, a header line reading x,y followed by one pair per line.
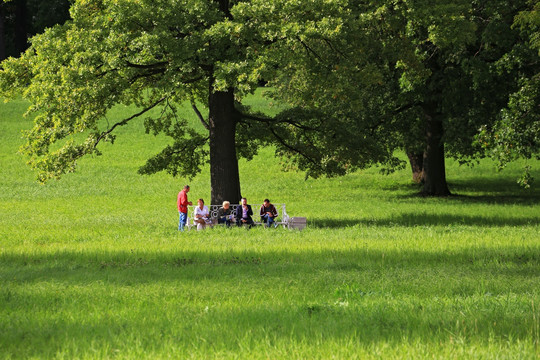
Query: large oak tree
x,y
423,76
156,54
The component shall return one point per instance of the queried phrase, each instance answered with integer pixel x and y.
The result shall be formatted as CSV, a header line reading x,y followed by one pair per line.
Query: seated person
x,y
268,213
224,214
201,215
244,213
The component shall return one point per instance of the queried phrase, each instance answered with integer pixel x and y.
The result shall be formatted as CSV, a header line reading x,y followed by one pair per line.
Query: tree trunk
x,y
224,176
416,159
224,6
434,166
21,26
3,54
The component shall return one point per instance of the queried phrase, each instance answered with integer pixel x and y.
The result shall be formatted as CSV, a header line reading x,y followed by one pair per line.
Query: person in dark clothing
x,y
224,214
268,213
244,213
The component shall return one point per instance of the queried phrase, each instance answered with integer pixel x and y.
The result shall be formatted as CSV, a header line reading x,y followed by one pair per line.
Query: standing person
x,y
244,213
224,214
201,215
182,204
268,213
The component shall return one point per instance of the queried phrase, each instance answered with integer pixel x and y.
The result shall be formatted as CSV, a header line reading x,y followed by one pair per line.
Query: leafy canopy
x,y
151,54
396,64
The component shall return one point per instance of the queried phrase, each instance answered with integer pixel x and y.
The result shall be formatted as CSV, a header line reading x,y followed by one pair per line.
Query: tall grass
x,y
92,266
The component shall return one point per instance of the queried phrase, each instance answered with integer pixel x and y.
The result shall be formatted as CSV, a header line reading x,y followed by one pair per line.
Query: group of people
x,y
241,217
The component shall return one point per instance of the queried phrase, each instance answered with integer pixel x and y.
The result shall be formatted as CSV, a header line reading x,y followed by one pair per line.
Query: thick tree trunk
x,y
416,159
3,54
224,6
21,26
434,165
224,176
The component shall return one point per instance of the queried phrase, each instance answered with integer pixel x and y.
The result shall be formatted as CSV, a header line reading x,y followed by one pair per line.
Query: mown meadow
x,y
92,266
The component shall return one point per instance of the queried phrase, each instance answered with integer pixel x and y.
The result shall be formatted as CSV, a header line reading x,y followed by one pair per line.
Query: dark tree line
x,y
21,19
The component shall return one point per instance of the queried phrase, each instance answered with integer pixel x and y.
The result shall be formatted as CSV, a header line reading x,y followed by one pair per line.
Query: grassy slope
x,y
92,266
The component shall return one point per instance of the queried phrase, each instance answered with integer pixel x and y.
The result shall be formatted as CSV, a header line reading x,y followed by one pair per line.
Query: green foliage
x,y
321,143
334,124
516,132
147,53
529,22
358,80
156,55
392,65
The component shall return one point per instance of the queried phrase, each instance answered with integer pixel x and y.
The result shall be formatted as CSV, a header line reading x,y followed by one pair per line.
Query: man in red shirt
x,y
183,207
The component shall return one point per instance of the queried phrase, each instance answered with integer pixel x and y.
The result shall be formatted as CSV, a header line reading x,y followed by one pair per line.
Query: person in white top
x,y
201,215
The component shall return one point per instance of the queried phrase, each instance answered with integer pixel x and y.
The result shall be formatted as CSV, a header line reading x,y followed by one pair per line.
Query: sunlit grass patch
x,y
92,266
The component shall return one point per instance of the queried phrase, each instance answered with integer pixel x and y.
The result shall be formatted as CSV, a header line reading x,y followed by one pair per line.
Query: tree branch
x,y
310,50
147,66
293,149
405,107
199,115
274,121
335,49
147,74
271,121
192,80
185,147
127,120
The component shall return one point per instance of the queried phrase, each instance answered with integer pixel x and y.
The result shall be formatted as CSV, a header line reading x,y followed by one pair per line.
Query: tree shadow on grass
x,y
424,219
273,329
362,293
489,190
153,266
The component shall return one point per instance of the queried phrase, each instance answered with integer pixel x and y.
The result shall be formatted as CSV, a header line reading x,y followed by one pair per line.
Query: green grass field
x,y
92,266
